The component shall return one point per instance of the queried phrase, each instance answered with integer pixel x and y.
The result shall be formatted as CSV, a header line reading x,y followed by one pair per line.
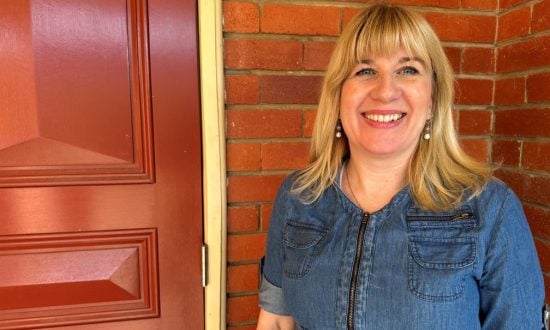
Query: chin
x,y
387,150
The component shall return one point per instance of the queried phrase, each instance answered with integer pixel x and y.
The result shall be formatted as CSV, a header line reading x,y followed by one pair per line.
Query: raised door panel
x,y
76,98
77,278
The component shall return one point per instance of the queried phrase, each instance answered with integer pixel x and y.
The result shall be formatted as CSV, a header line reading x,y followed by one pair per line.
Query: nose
x,y
385,89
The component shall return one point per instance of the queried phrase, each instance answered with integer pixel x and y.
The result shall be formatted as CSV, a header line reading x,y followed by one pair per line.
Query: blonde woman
x,y
392,226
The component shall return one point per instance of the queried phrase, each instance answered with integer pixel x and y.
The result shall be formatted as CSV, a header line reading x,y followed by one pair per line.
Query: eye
x,y
409,70
365,72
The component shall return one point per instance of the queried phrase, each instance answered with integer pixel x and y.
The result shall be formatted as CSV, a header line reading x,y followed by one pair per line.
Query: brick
x,y
546,286
543,250
348,14
242,278
265,215
271,123
463,27
476,148
537,87
532,53
309,121
290,89
253,188
317,54
474,91
536,156
243,156
524,122
539,220
528,187
480,4
504,4
242,309
514,24
510,91
454,55
284,156
478,60
245,247
541,17
474,122
242,218
263,54
434,3
506,152
299,19
241,17
242,89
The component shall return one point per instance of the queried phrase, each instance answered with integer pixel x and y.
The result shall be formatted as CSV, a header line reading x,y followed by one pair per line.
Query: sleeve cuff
x,y
271,298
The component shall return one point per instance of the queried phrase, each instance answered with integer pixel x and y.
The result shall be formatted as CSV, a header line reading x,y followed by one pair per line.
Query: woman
x,y
392,226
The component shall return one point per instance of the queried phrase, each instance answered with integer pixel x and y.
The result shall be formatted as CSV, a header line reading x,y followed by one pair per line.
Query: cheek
x,y
345,96
423,99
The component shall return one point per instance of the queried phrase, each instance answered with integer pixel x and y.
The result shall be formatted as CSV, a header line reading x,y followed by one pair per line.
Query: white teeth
x,y
384,118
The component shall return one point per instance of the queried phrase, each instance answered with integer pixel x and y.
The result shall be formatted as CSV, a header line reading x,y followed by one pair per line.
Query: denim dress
x,y
332,266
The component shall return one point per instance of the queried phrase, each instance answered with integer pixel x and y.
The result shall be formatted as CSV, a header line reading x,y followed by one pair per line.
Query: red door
x,y
100,165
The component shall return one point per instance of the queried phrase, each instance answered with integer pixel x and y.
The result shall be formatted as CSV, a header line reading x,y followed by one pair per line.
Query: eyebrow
x,y
411,59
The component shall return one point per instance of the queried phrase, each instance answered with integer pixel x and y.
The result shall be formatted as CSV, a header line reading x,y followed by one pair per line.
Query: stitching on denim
x,y
457,291
303,267
470,241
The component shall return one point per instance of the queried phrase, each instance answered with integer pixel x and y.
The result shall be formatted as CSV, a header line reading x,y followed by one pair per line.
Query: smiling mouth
x,y
384,118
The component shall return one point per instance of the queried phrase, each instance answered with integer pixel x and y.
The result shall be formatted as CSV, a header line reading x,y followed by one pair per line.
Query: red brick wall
x,y
275,54
521,128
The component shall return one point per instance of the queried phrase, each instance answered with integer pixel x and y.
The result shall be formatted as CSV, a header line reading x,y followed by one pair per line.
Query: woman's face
x,y
385,103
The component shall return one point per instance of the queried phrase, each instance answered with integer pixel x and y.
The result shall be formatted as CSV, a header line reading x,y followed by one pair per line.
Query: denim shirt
x,y
332,266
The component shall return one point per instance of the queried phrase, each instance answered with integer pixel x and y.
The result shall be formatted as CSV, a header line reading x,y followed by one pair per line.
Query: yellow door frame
x,y
214,169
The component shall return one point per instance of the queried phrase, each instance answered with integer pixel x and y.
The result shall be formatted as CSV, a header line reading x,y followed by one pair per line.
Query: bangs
x,y
387,29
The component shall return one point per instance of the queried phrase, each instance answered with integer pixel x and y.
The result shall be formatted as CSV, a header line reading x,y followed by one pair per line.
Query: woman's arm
x,y
270,321
511,289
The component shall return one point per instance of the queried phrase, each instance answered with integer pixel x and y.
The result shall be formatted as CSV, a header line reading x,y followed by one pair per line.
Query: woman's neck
x,y
373,183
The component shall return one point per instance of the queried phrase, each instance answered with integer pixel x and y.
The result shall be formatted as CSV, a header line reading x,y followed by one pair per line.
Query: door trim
x,y
214,168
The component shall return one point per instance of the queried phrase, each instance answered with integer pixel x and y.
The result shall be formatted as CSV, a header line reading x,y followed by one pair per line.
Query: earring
x,y
427,129
338,129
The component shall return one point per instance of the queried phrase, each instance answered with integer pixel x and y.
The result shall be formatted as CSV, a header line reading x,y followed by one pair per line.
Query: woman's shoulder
x,y
295,197
288,183
496,189
495,196
286,193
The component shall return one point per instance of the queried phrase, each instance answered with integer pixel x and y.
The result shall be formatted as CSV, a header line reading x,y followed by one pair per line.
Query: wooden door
x,y
100,165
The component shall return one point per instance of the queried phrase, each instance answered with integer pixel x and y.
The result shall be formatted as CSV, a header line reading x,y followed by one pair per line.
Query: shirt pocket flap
x,y
301,235
443,253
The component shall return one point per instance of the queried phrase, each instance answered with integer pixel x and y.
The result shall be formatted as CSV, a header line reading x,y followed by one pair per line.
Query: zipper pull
x,y
461,216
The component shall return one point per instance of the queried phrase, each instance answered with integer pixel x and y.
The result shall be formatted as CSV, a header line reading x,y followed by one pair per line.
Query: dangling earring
x,y
427,129
338,129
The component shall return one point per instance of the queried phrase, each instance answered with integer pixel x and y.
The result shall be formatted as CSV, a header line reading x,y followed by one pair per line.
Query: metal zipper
x,y
355,270
454,217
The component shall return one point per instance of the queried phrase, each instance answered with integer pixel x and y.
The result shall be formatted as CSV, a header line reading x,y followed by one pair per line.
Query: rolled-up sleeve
x,y
271,298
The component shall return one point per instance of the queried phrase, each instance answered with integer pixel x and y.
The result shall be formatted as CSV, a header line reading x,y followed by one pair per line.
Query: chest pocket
x,y
301,244
442,252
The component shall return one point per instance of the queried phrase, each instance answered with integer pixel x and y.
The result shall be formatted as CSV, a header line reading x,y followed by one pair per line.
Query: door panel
x,y
100,165
79,111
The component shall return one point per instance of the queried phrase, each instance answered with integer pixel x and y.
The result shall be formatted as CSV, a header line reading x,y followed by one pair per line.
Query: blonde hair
x,y
439,173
